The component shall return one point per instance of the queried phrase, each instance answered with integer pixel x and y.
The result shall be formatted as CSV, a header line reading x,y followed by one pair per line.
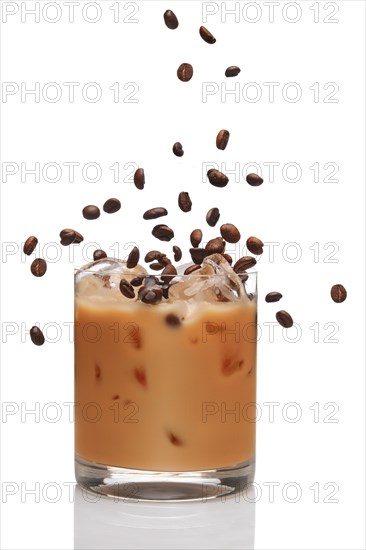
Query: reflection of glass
x,y
165,393
101,523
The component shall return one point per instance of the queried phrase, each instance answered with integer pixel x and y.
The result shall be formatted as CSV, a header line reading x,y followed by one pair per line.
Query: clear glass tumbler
x,y
165,393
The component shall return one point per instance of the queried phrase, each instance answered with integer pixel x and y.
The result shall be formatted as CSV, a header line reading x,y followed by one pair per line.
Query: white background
x,y
321,365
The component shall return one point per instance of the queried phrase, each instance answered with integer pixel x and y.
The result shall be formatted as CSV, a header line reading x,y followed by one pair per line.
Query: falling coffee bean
x,y
254,180
68,236
198,254
338,293
212,217
273,297
156,266
178,149
154,213
222,139
111,206
215,246
171,20
133,258
172,320
152,255
78,238
230,233
185,72
255,246
232,71
168,273
37,336
228,258
29,245
126,289
163,232
244,263
91,212
196,237
38,267
99,255
207,36
184,202
191,268
177,253
284,319
139,178
216,178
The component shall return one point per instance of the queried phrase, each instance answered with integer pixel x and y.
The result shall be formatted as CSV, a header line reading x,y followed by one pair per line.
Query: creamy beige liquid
x,y
158,397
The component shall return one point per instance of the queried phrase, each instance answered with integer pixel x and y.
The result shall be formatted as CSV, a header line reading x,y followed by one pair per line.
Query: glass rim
x,y
159,273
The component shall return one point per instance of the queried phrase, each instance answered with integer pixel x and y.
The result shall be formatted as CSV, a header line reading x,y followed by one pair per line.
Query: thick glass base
x,y
153,486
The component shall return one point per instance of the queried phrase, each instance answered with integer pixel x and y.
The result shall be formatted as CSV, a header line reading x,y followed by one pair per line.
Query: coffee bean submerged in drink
x,y
111,206
133,258
222,139
273,297
212,217
233,70
126,289
207,36
196,237
255,246
29,245
178,149
184,202
38,267
171,19
284,319
217,178
230,233
139,178
37,336
99,255
185,72
163,232
91,212
254,180
338,293
151,295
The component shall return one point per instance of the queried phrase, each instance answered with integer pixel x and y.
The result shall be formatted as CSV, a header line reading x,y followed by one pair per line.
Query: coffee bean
x,y
215,246
78,238
126,289
212,217
98,255
198,254
255,246
244,263
37,336
38,267
156,266
207,36
184,202
137,281
133,258
185,72
111,206
172,320
254,180
154,213
232,71
338,293
177,253
171,20
150,281
190,269
139,178
152,295
29,245
216,178
228,258
273,297
163,259
91,212
284,319
243,277
152,255
230,233
163,232
178,149
196,237
68,236
222,139
168,273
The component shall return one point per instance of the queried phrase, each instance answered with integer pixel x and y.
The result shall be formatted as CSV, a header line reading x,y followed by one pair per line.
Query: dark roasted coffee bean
x,y
163,232
29,245
228,258
338,293
170,19
139,178
184,202
196,237
91,212
255,246
137,281
254,180
127,289
133,258
198,254
244,263
185,72
191,268
78,238
207,36
152,255
273,297
68,236
232,71
156,266
216,178
168,273
38,267
284,319
150,295
177,253
154,213
222,139
243,277
98,255
37,336
215,246
163,259
172,320
111,206
230,233
178,149
212,217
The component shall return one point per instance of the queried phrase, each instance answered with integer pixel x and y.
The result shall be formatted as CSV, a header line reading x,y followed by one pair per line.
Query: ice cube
x,y
228,285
